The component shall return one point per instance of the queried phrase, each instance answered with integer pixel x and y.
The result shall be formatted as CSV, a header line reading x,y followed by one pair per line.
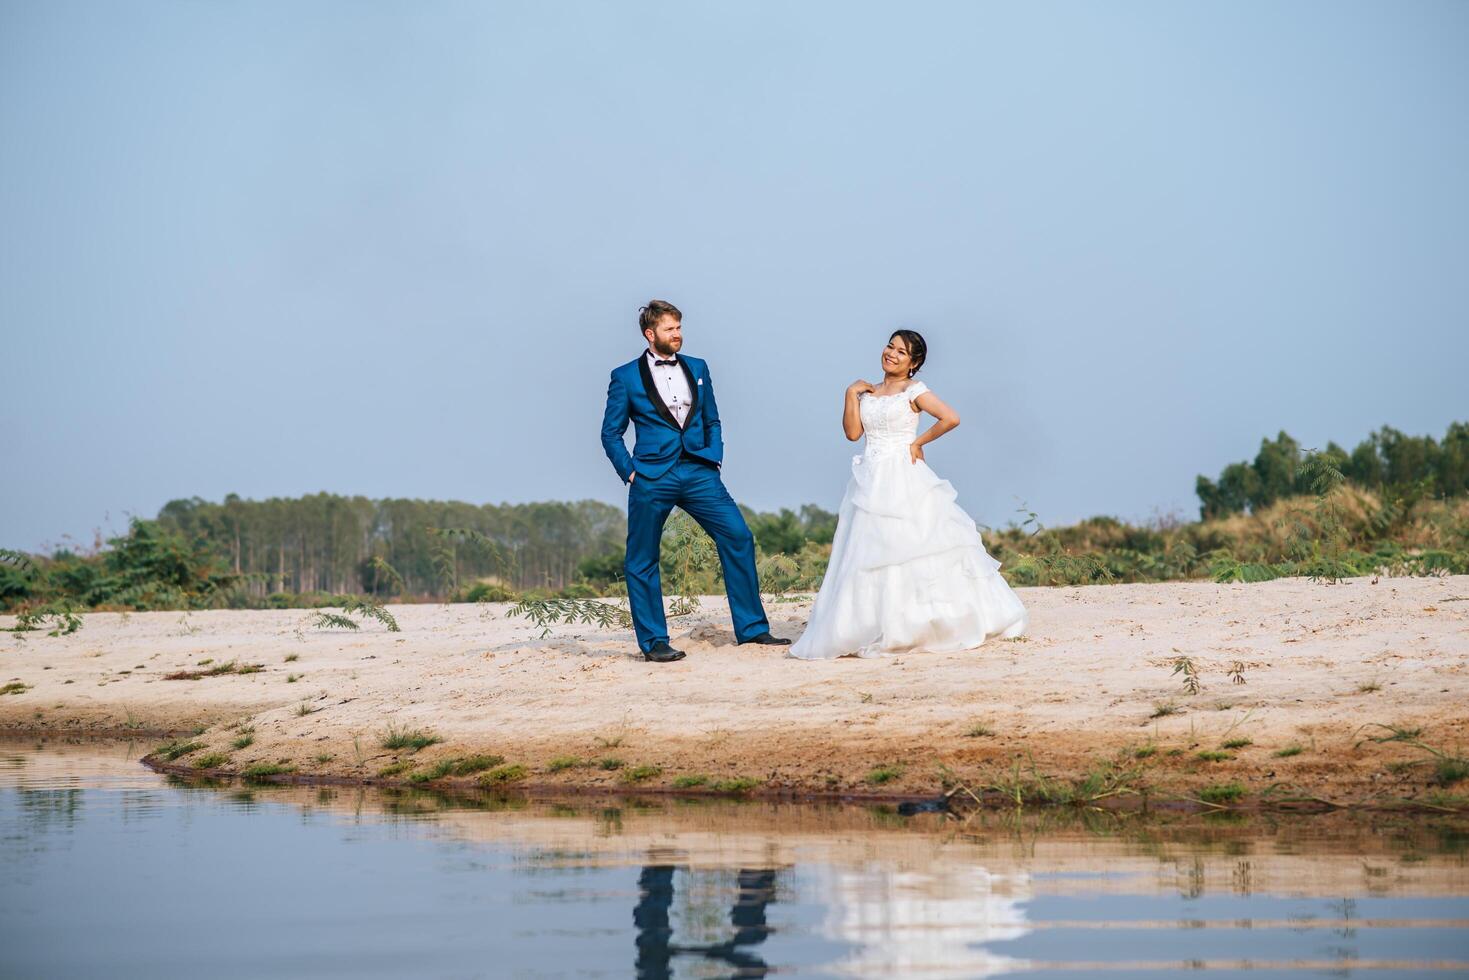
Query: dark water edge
x,y
114,870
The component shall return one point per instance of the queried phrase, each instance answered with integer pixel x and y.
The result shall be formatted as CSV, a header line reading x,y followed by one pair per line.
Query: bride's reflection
x,y
656,949
933,923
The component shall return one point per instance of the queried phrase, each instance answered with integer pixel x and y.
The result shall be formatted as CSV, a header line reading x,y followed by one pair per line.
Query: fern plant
x,y
1318,538
386,574
353,605
1224,567
368,608
323,620
778,575
692,563
63,621
1185,666
547,612
1049,562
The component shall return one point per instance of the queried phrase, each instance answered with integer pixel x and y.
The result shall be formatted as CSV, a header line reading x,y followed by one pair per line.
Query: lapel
x,y
688,372
654,395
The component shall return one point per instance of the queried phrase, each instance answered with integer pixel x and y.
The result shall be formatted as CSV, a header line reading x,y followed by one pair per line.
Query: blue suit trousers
x,y
696,488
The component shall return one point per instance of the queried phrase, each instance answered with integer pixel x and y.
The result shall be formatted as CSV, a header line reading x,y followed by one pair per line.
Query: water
x,y
112,871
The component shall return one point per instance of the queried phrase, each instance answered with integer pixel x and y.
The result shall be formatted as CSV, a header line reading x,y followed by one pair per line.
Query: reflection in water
x,y
936,922
45,809
655,946
357,882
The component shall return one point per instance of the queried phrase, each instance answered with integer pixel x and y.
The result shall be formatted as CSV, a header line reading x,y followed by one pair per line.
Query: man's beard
x,y
665,348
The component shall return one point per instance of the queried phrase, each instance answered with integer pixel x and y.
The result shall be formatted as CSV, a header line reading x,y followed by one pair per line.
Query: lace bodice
x,y
889,421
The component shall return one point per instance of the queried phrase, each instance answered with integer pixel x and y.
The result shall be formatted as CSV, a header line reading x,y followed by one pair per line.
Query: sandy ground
x,y
1324,668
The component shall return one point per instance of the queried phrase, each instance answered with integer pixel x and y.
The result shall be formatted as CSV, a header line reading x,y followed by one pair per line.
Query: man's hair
x,y
917,348
657,309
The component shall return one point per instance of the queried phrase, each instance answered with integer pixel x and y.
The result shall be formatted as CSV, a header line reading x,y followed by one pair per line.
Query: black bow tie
x,y
672,363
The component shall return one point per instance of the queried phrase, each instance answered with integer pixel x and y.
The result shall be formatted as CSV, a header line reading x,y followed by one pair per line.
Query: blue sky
x,y
394,249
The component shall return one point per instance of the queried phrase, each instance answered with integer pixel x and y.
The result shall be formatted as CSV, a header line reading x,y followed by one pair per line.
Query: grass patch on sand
x,y
1399,733
689,782
504,774
396,769
1212,756
1222,793
1236,743
1448,767
609,764
564,762
1022,785
15,687
1288,751
883,774
263,769
1162,709
1450,770
211,761
228,667
739,784
408,738
441,769
466,766
471,764
638,774
174,749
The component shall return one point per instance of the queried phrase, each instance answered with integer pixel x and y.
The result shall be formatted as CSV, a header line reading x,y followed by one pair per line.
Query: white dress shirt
x,y
672,384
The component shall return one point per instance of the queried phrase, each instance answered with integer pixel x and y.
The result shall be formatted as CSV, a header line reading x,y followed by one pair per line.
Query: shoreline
x,y
1140,803
1346,692
1137,804
1169,851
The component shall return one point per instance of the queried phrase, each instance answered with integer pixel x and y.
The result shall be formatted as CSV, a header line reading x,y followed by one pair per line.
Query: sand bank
x,y
1322,668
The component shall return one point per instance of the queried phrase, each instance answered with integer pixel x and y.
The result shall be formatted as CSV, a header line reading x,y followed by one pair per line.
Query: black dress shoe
x,y
662,653
765,639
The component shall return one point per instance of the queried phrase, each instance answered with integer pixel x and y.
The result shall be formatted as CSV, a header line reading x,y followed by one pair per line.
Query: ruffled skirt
x,y
908,570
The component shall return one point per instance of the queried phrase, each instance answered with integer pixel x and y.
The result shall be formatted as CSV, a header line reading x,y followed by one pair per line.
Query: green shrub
x,y
504,774
1225,793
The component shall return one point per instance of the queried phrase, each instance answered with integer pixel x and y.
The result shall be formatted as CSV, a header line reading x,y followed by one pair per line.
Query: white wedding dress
x,y
908,570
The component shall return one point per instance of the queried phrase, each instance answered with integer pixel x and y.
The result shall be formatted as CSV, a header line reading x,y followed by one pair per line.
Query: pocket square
x,y
701,381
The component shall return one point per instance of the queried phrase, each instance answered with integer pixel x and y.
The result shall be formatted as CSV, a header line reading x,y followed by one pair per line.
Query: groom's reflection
x,y
655,947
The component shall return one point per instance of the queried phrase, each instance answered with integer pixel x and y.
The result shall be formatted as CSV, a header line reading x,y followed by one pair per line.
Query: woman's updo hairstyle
x,y
917,348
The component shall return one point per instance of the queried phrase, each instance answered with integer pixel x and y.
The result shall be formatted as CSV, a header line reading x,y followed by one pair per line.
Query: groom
x,y
675,461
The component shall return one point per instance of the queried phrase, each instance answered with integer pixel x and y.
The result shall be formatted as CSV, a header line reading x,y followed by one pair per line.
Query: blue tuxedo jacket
x,y
660,440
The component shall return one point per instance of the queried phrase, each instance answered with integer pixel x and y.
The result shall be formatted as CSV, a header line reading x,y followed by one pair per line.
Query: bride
x,y
908,570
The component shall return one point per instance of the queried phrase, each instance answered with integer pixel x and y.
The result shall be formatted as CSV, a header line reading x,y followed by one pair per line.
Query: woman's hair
x,y
917,348
657,309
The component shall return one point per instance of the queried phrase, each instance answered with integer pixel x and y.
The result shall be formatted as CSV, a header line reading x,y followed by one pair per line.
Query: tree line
x,y
306,550
335,544
1397,504
1386,462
